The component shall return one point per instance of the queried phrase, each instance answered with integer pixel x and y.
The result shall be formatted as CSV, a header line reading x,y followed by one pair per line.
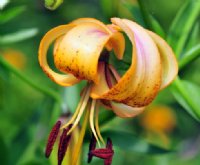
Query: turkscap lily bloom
x,y
81,52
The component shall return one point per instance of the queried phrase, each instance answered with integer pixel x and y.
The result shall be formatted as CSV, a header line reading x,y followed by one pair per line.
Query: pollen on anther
x,y
52,138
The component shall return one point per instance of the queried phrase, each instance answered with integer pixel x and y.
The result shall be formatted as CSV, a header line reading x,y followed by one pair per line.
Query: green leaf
x,y
145,14
189,56
130,142
194,37
106,116
3,152
18,36
156,27
144,18
182,25
29,81
188,95
4,73
71,98
109,7
136,13
9,14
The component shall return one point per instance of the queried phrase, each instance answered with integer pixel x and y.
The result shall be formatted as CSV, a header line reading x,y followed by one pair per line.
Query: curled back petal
x,y
78,52
116,41
140,84
169,62
64,80
92,20
132,78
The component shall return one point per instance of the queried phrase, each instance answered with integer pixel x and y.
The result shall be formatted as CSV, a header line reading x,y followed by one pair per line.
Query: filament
x,y
85,102
77,110
92,122
97,123
78,145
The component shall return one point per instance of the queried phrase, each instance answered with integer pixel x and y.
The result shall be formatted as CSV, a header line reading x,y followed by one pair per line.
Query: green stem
x,y
189,56
145,14
29,81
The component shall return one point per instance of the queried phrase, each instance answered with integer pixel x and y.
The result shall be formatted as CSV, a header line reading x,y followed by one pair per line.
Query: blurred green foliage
x,y
30,103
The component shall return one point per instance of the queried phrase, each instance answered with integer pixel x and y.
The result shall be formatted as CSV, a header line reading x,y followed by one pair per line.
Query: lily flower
x,y
81,52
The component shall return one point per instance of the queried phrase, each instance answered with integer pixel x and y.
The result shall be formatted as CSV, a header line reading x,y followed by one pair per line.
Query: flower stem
x,y
30,81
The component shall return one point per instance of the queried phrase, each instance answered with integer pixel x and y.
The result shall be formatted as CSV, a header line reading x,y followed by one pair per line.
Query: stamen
x,y
85,102
78,145
77,109
92,122
63,144
92,146
97,123
52,138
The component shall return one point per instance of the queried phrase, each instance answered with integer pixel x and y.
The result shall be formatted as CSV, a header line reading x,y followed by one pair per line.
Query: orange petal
x,y
125,111
168,59
78,52
64,80
116,42
102,85
92,20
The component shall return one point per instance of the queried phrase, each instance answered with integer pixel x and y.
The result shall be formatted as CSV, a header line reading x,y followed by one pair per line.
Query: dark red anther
x,y
108,161
63,144
103,153
92,146
52,138
109,146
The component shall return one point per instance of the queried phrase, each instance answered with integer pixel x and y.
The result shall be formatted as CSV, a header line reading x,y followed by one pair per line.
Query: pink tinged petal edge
x,y
169,62
149,50
124,111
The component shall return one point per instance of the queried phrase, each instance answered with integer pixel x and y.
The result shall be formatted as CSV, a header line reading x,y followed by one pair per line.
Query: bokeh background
x,y
165,134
